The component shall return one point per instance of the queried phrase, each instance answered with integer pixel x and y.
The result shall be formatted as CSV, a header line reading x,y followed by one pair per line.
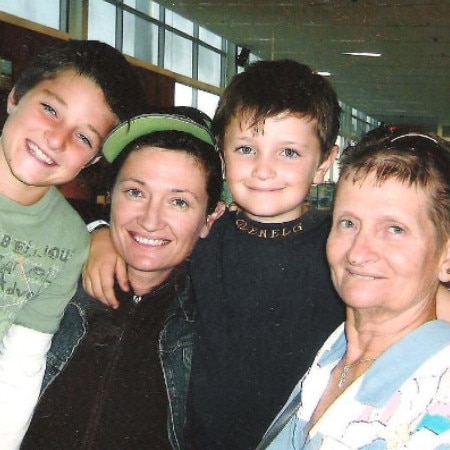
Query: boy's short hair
x,y
100,62
269,88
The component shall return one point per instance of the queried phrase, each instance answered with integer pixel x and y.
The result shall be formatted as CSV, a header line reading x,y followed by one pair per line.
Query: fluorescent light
x,y
367,54
324,74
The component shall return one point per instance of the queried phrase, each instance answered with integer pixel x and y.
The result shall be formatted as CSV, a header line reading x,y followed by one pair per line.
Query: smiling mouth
x,y
361,276
151,242
40,155
264,189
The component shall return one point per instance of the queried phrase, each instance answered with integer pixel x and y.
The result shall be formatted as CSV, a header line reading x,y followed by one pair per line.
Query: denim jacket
x,y
175,349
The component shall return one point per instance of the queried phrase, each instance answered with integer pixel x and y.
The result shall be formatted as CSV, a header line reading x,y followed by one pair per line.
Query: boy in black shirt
x,y
261,280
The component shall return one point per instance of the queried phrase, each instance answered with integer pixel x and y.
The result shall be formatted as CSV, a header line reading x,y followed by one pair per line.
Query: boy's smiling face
x,y
271,166
54,130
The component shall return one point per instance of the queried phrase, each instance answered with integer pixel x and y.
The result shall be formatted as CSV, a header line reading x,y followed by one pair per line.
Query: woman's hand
x,y
99,270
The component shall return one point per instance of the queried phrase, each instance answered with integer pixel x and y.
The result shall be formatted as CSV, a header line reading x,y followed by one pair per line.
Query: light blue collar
x,y
397,363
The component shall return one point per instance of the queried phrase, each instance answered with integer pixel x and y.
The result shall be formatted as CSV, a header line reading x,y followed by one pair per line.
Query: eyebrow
x,y
63,103
184,191
172,190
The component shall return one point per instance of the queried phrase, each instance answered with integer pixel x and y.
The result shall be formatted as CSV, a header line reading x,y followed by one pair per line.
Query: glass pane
x,y
253,58
178,22
183,95
178,54
146,6
207,102
45,12
102,22
140,38
210,37
209,67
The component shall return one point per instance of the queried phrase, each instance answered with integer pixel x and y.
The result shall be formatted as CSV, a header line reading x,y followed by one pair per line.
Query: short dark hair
x,y
205,154
100,62
269,88
411,157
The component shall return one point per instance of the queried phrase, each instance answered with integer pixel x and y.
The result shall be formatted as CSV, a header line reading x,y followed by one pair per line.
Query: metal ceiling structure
x,y
408,84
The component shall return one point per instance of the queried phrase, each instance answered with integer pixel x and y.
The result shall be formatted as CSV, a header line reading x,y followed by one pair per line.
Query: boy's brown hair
x,y
269,88
103,64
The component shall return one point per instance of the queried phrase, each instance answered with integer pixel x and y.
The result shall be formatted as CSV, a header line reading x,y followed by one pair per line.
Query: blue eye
x,y
179,202
133,192
245,150
346,223
49,108
395,229
290,153
85,140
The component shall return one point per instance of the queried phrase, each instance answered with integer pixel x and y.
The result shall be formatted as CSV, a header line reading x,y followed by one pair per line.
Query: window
x,y
103,29
209,66
189,96
178,54
146,30
140,38
45,12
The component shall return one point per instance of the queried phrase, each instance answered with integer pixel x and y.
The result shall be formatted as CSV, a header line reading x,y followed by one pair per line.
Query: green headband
x,y
138,126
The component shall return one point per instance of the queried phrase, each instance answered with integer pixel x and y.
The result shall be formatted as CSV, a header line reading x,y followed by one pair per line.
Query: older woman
x,y
131,370
382,379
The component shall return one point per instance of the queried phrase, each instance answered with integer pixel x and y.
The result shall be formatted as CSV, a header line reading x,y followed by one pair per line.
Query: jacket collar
x,y
397,363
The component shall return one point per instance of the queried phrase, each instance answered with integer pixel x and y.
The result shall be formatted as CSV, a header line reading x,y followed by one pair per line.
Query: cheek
x,y
81,159
189,232
121,213
417,269
304,173
231,169
334,250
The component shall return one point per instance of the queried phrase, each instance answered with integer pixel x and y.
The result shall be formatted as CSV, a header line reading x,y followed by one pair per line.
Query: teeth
x,y
152,242
40,154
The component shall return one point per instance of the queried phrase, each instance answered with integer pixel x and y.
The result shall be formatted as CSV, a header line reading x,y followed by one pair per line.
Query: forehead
x,y
372,196
249,118
67,75
283,127
153,163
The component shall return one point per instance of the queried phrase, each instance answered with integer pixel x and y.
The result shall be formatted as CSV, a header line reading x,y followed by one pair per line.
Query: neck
x,y
14,189
144,282
369,334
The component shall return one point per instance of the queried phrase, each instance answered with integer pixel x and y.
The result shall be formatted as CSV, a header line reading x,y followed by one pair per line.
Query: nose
x,y
362,249
264,167
56,137
151,217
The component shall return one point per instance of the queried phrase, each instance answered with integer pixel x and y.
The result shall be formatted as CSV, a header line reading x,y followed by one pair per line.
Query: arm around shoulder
x,y
103,263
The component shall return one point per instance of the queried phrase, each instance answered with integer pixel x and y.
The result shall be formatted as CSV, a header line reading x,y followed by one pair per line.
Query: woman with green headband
x,y
129,375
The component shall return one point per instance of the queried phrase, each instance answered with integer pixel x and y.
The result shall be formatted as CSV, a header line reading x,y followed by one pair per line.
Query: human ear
x,y
444,270
325,165
93,161
11,101
211,218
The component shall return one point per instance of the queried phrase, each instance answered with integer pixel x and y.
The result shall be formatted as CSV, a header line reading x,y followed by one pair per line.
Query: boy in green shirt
x,y
59,112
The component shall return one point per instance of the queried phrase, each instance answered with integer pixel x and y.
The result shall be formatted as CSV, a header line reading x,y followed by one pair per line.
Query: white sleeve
x,y
22,365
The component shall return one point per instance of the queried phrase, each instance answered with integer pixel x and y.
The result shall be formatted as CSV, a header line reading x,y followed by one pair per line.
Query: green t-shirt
x,y
42,249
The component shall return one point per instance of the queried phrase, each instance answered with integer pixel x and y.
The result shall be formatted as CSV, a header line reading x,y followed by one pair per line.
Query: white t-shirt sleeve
x,y
22,365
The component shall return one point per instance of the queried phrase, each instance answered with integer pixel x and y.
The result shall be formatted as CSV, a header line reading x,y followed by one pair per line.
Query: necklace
x,y
346,370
